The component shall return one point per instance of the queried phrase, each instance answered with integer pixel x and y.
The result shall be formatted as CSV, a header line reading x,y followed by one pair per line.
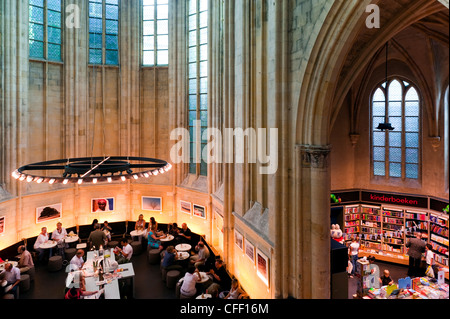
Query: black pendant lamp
x,y
386,125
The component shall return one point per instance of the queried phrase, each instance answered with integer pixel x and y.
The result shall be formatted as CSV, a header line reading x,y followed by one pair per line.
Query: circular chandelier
x,y
92,169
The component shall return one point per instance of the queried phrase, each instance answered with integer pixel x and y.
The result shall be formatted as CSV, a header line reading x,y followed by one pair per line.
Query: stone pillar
x,y
314,210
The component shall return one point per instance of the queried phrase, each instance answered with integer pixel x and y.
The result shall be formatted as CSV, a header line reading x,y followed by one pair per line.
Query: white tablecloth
x,y
48,244
167,238
183,247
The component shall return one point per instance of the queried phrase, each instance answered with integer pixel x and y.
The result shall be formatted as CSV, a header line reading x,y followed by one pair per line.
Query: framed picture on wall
x,y
262,266
185,207
2,224
199,211
238,239
105,204
152,203
249,250
48,212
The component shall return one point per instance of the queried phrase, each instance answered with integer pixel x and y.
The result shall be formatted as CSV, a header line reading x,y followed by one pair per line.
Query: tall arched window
x,y
155,31
197,35
396,153
44,29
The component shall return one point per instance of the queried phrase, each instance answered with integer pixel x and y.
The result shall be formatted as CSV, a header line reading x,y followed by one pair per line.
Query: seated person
x,y
153,226
12,277
124,254
386,279
219,275
169,259
154,240
213,290
26,260
184,235
190,279
200,258
235,292
41,239
172,229
78,289
77,261
140,223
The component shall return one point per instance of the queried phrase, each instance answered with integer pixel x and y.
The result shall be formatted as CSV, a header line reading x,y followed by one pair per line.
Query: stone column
x,y
314,210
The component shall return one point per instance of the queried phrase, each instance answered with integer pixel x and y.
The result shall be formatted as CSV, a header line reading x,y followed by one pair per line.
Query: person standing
x,y
353,251
416,248
97,237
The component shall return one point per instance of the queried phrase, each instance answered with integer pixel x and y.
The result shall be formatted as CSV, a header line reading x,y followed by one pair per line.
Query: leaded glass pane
x,y
112,12
379,96
149,28
203,101
379,108
376,121
95,56
54,35
54,19
193,54
163,57
396,123
95,25
36,49
149,43
203,36
36,14
379,138
112,42
36,31
116,2
163,26
95,41
203,85
162,12
379,154
411,108
192,117
412,95
192,6
54,5
412,155
192,38
39,3
204,68
412,171
395,154
95,10
204,118
412,139
192,86
379,169
112,57
193,102
203,19
193,22
203,52
395,108
412,124
192,70
149,58
395,139
54,52
203,5
395,169
158,2
148,12
395,91
112,27
162,42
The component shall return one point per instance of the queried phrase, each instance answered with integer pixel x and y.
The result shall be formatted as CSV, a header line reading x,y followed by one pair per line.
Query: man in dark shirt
x,y
97,237
416,247
184,235
220,276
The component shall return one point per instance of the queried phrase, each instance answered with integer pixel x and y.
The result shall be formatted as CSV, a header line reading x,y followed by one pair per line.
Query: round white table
x,y
183,247
204,296
48,244
71,239
167,238
204,277
137,233
183,255
2,265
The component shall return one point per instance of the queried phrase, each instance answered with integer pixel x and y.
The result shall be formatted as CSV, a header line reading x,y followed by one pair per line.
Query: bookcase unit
x,y
384,231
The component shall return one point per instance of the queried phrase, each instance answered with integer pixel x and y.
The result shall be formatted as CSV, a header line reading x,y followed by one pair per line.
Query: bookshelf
x,y
384,230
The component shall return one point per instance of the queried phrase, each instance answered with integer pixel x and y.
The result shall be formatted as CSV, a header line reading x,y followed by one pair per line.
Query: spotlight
x,y
135,176
109,179
39,180
123,178
65,181
80,180
94,180
29,178
51,181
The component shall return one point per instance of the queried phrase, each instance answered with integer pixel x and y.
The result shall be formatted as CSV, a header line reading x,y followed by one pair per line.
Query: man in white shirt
x,y
41,239
77,260
12,277
124,253
58,235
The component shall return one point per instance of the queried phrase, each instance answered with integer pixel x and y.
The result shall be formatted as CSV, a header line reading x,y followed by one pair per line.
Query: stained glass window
x,y
44,29
396,152
197,37
155,30
104,32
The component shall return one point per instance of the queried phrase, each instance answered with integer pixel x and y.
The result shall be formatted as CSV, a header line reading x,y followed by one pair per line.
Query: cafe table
x,y
182,255
183,247
48,244
71,239
167,238
138,233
